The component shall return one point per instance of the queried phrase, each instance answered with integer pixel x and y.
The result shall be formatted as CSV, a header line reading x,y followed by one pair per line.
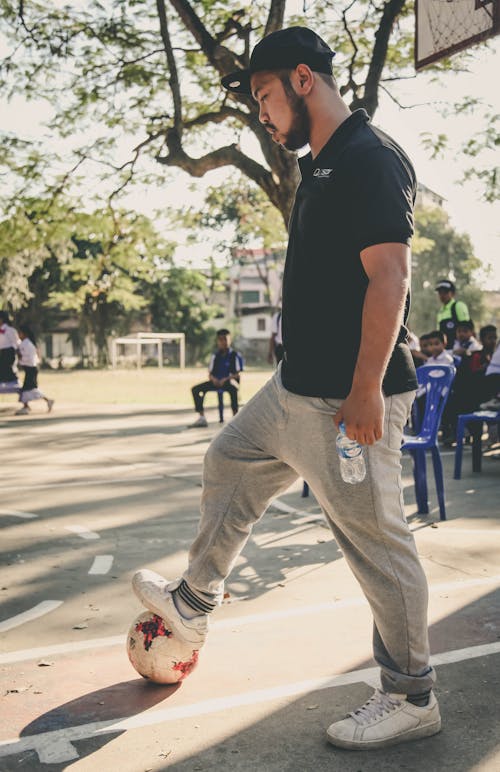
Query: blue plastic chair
x,y
435,382
475,422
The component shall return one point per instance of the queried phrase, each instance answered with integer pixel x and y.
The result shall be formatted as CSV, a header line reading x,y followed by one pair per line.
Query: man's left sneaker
x,y
385,719
155,593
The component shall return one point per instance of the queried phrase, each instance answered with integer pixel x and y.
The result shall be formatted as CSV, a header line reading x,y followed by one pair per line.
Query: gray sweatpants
x,y
279,436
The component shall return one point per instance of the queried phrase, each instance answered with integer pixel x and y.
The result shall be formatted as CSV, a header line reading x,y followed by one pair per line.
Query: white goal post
x,y
141,339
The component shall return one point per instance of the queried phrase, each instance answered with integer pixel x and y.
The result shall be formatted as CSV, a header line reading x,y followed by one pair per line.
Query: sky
x,y
463,201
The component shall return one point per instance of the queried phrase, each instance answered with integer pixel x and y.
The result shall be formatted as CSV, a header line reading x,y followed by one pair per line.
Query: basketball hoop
x,y
444,27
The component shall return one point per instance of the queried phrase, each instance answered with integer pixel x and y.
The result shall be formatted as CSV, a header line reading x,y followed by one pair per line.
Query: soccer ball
x,y
157,652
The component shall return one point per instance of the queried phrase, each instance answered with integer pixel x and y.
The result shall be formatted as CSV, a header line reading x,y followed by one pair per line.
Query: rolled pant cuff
x,y
402,683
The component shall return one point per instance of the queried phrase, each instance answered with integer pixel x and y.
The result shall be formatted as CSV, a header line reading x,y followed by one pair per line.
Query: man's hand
x,y
363,415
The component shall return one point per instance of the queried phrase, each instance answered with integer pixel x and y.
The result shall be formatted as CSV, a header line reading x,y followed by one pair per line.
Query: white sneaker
x,y
50,405
155,593
200,422
22,411
385,719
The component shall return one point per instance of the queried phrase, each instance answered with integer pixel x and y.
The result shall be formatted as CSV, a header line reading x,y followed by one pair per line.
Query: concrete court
x,y
90,495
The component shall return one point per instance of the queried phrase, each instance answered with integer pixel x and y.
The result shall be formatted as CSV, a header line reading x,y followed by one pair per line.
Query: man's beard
x,y
299,132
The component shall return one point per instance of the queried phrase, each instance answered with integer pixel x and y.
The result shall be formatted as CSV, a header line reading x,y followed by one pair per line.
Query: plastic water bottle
x,y
352,463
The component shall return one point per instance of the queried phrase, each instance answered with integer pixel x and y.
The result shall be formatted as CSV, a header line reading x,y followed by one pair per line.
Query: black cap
x,y
284,49
445,284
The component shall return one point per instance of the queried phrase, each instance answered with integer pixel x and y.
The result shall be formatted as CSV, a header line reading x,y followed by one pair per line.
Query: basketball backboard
x,y
444,27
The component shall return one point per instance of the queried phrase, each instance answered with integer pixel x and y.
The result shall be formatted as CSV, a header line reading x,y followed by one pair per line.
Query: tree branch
x,y
172,67
218,55
230,155
275,16
351,84
369,101
219,116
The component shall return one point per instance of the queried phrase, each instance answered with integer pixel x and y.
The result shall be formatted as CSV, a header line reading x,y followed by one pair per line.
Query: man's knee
x,y
221,455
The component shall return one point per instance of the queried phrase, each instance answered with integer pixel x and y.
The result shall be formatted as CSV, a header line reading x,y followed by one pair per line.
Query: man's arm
x,y
387,267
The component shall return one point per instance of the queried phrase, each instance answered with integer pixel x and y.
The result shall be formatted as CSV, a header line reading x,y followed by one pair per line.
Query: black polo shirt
x,y
359,191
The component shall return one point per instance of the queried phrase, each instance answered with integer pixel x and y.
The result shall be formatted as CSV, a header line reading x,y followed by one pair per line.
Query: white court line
x,y
223,624
101,564
33,613
82,531
83,483
15,513
54,745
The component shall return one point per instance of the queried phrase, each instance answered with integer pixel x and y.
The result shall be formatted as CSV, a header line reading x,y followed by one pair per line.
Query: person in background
x,y
419,358
451,312
491,391
9,342
437,349
28,361
424,346
465,342
223,372
479,360
276,340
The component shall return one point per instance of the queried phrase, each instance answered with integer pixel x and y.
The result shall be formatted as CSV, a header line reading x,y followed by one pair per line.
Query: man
x,y
347,269
223,373
451,312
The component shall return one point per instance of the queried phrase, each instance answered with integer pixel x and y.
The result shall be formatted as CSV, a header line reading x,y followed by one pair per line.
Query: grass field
x,y
146,386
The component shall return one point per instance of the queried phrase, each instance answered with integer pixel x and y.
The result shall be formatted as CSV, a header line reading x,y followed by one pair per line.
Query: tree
x,y
115,68
182,300
114,253
440,252
35,231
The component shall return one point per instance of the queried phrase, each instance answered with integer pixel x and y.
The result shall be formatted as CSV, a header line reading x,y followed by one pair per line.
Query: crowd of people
x,y
453,342
21,345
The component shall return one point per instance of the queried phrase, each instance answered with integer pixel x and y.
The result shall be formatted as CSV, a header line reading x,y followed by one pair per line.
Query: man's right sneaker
x,y
50,405
155,593
200,422
492,404
23,411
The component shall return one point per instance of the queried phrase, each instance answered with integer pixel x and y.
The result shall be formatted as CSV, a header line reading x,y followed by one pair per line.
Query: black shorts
x,y
30,378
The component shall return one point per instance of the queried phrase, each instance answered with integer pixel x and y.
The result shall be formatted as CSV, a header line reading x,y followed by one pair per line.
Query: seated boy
x,y
223,372
437,349
465,342
491,382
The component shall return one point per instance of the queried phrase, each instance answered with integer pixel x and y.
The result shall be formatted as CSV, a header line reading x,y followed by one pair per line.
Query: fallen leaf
x,y
312,707
45,664
81,626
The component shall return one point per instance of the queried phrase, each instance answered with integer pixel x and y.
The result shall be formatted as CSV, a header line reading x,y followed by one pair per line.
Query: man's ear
x,y
304,79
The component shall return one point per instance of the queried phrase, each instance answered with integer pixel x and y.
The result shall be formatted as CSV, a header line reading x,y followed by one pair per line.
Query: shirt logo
x,y
322,174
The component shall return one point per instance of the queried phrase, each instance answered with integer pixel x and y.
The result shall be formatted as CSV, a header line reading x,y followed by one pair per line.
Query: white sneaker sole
x,y
411,734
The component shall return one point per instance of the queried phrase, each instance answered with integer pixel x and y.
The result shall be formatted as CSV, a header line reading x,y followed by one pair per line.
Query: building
x,y
254,296
427,198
